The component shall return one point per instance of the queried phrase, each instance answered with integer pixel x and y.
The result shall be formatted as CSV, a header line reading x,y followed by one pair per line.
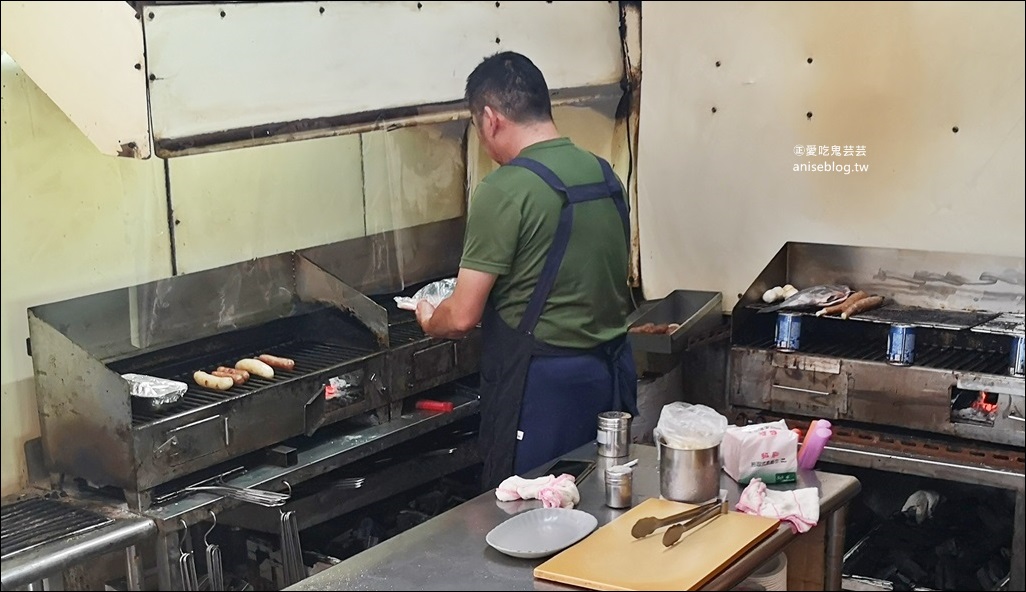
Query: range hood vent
x,y
176,78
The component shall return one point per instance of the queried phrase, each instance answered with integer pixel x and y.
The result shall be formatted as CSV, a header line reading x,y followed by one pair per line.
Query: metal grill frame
x,y
893,418
81,346
30,523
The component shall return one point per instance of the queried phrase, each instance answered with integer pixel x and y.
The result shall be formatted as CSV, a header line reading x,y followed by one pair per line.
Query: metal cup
x,y
690,476
614,434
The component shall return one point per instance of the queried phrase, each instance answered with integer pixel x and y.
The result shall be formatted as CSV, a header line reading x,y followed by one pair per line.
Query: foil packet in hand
x,y
434,293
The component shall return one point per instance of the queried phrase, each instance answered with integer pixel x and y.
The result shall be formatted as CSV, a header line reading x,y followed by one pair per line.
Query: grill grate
x,y
310,357
891,314
30,523
405,333
929,356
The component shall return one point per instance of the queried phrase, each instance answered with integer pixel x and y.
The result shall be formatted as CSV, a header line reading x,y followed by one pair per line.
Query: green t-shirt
x,y
510,227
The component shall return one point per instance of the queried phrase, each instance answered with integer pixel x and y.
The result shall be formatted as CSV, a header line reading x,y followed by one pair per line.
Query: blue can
x,y
901,345
789,329
1015,362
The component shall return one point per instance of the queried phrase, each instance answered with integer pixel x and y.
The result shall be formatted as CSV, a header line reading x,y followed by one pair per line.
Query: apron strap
x,y
608,188
616,192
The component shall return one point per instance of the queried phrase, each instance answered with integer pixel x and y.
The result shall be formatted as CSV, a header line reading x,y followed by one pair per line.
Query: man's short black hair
x,y
511,83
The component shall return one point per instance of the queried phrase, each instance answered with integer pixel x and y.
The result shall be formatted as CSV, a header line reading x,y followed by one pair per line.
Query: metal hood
x,y
175,78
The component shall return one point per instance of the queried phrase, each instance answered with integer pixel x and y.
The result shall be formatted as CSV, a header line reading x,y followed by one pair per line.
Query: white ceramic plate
x,y
541,532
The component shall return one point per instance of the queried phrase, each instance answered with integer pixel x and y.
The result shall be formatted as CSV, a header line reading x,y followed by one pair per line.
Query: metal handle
x,y
802,390
172,441
187,426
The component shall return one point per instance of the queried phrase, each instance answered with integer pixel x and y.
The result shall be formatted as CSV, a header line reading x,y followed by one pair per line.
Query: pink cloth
x,y
554,492
800,507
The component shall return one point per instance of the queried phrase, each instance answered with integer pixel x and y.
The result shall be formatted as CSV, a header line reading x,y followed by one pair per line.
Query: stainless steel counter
x,y
449,552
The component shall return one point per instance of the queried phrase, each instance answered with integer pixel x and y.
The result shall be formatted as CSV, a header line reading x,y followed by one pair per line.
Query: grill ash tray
x,y
33,522
692,311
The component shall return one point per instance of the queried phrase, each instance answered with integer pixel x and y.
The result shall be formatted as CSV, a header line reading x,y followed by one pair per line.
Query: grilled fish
x,y
813,297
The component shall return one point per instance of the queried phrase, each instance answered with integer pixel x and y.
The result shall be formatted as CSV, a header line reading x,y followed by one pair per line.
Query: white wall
x,y
718,194
74,221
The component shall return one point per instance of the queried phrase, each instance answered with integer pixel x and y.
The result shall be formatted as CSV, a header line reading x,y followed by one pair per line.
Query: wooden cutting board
x,y
611,559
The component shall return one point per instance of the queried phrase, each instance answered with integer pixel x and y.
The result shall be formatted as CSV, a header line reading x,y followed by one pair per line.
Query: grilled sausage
x,y
278,362
209,381
234,372
862,306
840,308
255,367
237,377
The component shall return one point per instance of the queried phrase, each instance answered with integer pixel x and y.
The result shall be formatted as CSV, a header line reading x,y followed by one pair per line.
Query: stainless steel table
x,y
449,552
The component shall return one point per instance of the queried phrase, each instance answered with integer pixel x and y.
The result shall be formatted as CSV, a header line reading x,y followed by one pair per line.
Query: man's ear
x,y
490,120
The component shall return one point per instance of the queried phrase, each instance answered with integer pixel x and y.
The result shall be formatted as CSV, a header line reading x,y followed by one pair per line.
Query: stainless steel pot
x,y
690,476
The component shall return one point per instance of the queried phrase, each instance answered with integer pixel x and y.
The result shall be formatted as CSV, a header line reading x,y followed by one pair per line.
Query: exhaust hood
x,y
176,78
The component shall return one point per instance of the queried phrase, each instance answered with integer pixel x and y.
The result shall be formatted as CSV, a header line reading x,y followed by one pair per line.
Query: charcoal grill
x,y
283,305
416,362
966,310
330,308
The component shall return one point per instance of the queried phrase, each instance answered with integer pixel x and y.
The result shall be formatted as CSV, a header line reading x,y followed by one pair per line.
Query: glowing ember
x,y
981,404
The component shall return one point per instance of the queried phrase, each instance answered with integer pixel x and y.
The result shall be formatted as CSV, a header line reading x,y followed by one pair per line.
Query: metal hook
x,y
289,486
185,536
212,527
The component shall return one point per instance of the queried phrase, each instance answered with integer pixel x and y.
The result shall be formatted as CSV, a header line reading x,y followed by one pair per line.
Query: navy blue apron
x,y
507,352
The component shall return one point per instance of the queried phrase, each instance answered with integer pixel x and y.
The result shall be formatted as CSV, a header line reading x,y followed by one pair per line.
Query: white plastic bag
x,y
434,293
690,427
768,451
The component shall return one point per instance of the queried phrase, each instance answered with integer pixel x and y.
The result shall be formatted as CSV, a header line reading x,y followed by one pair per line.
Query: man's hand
x,y
458,314
424,312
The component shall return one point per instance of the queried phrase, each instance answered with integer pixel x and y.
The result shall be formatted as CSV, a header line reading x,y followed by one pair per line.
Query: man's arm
x,y
458,314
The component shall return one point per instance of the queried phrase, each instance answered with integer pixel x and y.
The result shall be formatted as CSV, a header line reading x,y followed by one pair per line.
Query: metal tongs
x,y
186,561
681,523
215,571
216,486
293,569
673,534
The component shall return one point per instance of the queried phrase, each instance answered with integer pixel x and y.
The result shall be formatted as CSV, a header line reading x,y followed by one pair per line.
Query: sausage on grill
x,y
236,375
840,308
862,306
217,383
255,367
278,362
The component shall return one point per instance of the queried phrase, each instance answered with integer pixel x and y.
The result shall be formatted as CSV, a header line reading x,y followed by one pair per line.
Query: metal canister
x,y
789,329
1016,357
619,487
614,434
901,345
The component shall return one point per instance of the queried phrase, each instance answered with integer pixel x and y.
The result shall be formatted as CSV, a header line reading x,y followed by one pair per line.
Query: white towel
x,y
800,507
554,492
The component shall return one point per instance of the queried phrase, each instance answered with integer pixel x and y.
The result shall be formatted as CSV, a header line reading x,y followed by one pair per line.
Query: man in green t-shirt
x,y
544,270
